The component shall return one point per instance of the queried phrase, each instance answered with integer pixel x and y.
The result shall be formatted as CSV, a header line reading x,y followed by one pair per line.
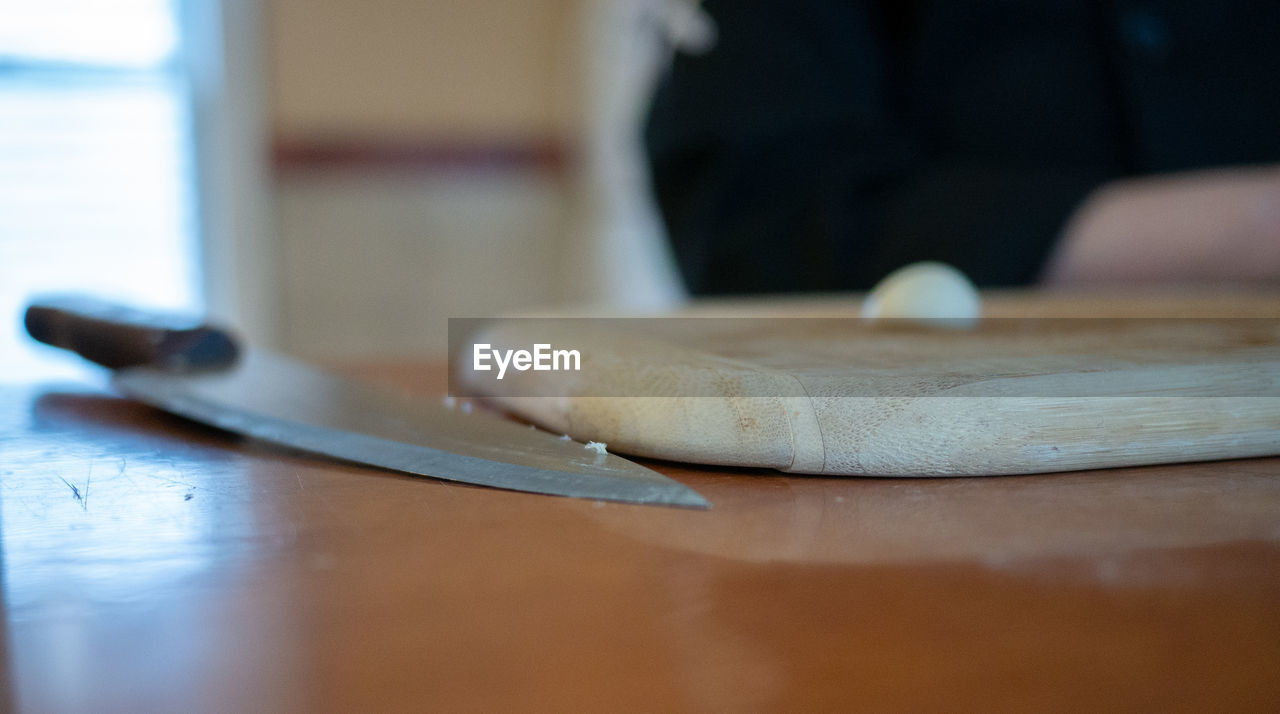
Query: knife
x,y
200,372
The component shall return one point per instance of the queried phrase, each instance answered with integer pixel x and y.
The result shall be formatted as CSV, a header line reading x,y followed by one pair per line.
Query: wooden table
x,y
153,564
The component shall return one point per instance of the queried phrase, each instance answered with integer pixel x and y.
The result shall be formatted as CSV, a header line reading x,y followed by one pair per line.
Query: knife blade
x,y
199,372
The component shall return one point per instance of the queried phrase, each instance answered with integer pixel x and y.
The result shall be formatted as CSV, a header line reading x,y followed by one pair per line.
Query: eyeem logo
x,y
541,359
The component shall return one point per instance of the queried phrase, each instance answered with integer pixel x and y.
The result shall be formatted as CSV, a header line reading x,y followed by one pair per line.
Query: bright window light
x,y
96,182
119,33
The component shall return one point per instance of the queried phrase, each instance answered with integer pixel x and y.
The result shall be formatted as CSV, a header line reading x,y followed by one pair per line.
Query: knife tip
x,y
685,498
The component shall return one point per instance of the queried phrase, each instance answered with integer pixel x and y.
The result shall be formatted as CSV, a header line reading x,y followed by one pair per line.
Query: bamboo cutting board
x,y
849,397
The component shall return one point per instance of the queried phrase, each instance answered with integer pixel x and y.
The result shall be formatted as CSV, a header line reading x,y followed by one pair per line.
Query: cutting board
x,y
1008,395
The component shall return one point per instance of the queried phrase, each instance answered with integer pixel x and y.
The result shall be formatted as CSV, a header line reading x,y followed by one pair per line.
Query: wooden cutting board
x,y
1009,395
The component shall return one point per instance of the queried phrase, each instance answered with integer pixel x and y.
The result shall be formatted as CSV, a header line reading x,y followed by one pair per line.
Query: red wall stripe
x,y
535,155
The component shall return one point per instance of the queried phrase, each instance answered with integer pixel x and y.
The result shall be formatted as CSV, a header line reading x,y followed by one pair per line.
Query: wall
x,y
423,69
432,159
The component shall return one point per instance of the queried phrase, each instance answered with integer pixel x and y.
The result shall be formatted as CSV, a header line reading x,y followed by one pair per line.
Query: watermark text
x,y
541,359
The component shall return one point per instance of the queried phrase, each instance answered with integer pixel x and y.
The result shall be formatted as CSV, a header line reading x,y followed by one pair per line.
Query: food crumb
x,y
450,402
564,437
466,407
596,446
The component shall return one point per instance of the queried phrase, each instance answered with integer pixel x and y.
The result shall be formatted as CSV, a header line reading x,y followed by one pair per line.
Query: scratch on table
x,y
75,492
173,465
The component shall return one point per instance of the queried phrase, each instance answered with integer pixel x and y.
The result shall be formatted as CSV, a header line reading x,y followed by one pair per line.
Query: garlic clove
x,y
928,291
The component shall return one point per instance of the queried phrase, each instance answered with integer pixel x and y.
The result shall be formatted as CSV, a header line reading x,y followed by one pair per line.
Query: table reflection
x,y
1102,518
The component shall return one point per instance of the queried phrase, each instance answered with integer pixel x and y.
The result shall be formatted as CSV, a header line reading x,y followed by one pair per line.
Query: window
x,y
97,182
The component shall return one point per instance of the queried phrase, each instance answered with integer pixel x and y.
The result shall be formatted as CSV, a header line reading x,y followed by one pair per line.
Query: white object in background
x,y
225,63
925,291
617,253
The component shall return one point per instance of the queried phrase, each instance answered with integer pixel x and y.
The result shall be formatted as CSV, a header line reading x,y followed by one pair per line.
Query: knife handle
x,y
116,336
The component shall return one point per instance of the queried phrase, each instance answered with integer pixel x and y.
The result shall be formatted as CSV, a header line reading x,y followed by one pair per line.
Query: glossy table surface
x,y
150,563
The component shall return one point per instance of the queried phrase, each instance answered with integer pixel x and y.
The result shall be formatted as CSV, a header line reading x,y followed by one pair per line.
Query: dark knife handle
x,y
116,336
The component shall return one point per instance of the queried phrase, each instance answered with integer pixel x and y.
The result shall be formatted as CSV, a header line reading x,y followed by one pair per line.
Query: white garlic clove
x,y
928,291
